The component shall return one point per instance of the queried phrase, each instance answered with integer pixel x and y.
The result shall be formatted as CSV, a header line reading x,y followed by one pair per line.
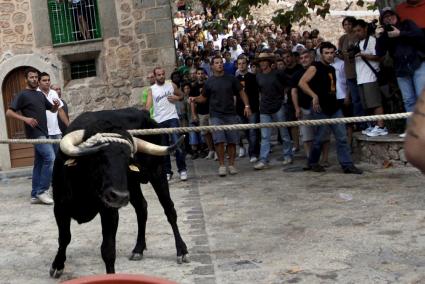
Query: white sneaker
x,y
377,131
210,155
183,175
367,130
35,200
287,161
260,166
253,160
402,135
241,152
45,198
169,176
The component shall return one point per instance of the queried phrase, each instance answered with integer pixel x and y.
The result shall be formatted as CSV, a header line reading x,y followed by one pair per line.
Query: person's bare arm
x,y
149,100
247,110
62,116
414,145
28,120
177,96
294,96
303,84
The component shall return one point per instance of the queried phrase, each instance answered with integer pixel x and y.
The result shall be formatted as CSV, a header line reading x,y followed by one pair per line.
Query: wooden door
x,y
21,155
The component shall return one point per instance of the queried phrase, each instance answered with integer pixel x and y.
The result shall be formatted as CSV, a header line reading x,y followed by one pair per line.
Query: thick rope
x,y
155,131
102,138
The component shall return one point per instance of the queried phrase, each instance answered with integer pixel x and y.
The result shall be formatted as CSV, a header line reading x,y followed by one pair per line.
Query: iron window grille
x,y
83,69
73,21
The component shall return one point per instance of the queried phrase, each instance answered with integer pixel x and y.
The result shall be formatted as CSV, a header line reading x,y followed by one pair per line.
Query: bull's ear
x,y
134,168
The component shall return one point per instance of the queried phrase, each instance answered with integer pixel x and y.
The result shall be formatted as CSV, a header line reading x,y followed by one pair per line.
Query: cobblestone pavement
x,y
270,226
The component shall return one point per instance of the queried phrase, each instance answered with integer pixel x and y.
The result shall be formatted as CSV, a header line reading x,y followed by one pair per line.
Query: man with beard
x,y
32,106
163,96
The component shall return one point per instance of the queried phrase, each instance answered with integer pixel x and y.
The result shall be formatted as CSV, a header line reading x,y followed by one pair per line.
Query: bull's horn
x,y
156,150
69,142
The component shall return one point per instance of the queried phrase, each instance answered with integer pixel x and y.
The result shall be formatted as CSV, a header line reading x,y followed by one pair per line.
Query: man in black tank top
x,y
319,82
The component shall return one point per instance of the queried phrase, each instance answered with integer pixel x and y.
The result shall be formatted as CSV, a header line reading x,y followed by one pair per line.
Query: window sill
x,y
80,42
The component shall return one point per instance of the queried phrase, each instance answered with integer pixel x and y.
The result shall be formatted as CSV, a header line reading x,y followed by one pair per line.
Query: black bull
x,y
105,178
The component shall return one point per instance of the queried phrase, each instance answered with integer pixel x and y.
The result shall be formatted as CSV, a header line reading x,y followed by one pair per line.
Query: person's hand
x,y
316,105
172,98
347,100
247,111
394,33
379,31
31,121
192,100
298,113
56,104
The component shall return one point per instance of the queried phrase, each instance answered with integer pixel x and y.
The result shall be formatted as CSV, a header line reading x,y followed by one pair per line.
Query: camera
x,y
388,28
353,50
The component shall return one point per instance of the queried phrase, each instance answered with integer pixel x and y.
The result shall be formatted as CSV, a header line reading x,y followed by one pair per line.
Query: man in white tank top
x,y
163,96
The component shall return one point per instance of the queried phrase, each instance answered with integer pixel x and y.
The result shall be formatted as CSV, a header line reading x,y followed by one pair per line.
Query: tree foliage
x,y
300,12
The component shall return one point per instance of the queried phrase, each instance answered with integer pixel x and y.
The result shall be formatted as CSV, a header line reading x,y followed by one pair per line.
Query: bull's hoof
x,y
183,259
55,273
136,256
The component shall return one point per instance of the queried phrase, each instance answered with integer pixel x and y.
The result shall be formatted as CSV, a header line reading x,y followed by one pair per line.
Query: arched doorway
x,y
21,155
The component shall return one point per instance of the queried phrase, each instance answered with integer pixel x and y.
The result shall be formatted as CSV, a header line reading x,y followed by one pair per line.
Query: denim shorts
x,y
229,137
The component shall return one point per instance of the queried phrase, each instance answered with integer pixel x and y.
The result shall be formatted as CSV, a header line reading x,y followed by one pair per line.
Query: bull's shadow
x,y
99,173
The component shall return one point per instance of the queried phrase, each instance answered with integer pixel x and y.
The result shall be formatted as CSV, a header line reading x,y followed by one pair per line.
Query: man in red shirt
x,y
413,10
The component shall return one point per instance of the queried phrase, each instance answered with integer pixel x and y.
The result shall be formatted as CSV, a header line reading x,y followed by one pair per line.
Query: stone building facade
x,y
136,37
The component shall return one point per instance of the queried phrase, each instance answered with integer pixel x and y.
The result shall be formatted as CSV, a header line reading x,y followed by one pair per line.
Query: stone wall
x,y
384,150
144,42
15,27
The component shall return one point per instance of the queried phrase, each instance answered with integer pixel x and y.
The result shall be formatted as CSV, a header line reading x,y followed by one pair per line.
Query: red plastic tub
x,y
119,279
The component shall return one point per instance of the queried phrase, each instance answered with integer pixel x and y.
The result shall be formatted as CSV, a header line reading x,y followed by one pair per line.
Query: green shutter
x,y
60,22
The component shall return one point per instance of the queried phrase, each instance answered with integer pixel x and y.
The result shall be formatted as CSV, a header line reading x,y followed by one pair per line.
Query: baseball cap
x,y
387,10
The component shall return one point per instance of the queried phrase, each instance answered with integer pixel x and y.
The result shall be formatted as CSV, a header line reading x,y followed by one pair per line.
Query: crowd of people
x,y
247,71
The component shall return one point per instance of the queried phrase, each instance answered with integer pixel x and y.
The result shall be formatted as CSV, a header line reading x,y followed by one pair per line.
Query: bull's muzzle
x,y
115,198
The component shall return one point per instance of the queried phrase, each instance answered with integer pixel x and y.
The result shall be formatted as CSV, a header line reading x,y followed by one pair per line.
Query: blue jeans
x,y
356,102
252,135
180,154
55,146
267,132
44,157
412,86
340,133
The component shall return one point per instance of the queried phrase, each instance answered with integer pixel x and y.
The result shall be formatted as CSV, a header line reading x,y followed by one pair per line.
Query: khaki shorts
x,y
204,120
307,133
370,95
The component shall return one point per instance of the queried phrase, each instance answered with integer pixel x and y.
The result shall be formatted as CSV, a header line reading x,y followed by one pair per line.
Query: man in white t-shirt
x,y
52,117
163,97
367,66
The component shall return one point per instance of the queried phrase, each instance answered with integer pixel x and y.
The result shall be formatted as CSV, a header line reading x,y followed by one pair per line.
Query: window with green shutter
x,y
74,20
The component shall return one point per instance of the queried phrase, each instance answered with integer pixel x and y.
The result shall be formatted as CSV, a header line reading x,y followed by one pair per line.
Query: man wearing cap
x,y
271,84
405,43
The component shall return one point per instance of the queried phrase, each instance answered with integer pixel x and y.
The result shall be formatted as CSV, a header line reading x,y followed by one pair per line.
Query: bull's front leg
x,y
63,221
160,185
141,207
109,218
